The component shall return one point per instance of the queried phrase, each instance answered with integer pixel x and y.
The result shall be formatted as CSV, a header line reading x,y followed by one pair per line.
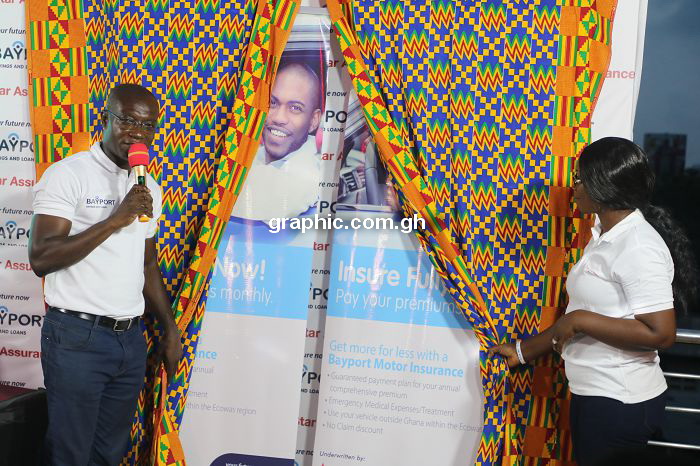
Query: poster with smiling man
x,y
283,181
246,384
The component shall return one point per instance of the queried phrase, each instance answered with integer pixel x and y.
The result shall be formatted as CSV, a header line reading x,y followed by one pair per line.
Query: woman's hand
x,y
564,330
554,338
507,351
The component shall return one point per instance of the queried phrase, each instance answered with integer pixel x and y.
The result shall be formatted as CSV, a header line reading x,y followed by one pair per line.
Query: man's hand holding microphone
x,y
138,202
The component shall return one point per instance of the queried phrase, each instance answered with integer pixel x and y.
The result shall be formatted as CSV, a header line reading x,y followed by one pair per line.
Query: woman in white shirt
x,y
637,267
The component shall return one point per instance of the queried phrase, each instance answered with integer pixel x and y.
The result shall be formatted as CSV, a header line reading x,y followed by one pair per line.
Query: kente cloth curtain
x,y
479,109
210,64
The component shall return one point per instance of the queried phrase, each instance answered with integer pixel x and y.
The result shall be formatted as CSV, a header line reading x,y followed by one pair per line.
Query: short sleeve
x,y
57,192
646,276
157,195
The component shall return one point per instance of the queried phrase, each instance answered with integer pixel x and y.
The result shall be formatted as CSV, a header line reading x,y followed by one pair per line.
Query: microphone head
x,y
138,154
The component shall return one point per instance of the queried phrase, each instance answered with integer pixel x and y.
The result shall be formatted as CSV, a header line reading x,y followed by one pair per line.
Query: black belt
x,y
116,325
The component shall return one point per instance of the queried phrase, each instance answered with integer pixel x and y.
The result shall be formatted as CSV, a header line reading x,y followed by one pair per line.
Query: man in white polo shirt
x,y
100,271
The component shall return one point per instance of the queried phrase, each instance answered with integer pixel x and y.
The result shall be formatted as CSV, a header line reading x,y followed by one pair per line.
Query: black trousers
x,y
605,431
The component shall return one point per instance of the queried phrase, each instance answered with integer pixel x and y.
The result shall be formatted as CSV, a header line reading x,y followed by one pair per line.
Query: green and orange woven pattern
x,y
210,64
479,109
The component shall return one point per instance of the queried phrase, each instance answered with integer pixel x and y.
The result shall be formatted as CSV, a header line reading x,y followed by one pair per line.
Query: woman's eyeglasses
x,y
127,122
576,179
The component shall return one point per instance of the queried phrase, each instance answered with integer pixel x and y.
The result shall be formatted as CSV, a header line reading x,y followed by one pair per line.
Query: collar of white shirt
x,y
635,218
103,160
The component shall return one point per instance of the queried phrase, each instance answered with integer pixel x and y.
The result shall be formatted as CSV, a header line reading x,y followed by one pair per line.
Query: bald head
x,y
126,92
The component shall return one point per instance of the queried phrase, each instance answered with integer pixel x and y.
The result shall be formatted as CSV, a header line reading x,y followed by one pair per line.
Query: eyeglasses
x,y
577,179
127,122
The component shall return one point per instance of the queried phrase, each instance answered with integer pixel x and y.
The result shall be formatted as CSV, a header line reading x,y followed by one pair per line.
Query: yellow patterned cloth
x,y
479,109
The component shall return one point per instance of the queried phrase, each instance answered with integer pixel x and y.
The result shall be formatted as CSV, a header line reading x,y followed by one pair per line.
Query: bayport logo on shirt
x,y
99,202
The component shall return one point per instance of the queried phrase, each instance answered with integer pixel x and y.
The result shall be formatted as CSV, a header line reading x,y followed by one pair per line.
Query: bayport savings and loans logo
x,y
13,234
13,147
17,324
309,377
15,52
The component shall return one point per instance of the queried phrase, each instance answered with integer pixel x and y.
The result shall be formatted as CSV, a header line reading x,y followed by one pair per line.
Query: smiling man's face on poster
x,y
294,111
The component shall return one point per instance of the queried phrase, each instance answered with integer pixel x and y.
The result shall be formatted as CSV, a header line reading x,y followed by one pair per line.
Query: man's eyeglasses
x,y
127,122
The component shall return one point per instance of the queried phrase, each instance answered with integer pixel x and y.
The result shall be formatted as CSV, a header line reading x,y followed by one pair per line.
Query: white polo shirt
x,y
85,189
624,272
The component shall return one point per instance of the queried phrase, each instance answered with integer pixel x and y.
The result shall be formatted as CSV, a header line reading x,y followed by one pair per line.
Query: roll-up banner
x,y
257,348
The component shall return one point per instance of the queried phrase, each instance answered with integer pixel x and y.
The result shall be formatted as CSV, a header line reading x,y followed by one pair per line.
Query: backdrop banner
x,y
21,299
614,112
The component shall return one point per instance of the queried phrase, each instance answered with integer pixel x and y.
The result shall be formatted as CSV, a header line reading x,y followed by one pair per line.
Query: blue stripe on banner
x,y
389,285
267,280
